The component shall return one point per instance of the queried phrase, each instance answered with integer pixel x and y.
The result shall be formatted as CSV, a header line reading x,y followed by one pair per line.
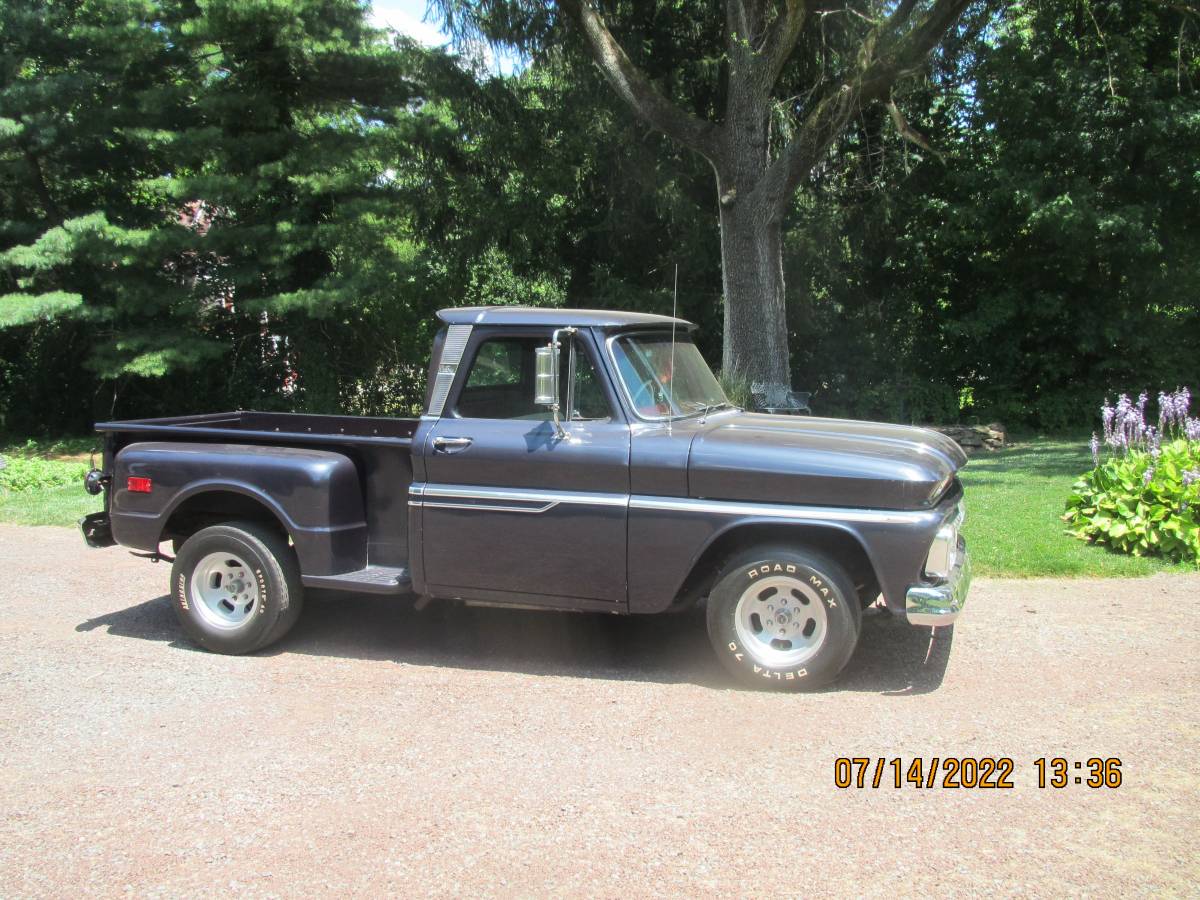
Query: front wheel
x,y
236,587
784,618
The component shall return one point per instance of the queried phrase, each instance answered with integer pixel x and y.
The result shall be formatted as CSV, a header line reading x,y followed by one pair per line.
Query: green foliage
x,y
737,389
1140,505
21,474
1014,506
91,98
39,487
261,203
231,200
21,309
1056,251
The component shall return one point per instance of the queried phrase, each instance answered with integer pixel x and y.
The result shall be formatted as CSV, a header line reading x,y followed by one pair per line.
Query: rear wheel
x,y
784,618
236,587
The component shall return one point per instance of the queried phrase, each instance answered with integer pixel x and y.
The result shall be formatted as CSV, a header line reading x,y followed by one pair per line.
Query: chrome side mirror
x,y
545,381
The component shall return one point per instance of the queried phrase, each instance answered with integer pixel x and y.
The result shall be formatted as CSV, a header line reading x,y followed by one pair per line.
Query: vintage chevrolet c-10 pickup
x,y
566,459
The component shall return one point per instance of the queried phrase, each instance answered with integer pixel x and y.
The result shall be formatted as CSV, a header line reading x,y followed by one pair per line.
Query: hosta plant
x,y
1142,495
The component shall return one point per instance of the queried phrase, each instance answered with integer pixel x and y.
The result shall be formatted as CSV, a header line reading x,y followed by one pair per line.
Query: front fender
x,y
670,537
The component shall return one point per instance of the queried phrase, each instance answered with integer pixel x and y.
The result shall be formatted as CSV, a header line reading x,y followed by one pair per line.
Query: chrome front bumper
x,y
939,604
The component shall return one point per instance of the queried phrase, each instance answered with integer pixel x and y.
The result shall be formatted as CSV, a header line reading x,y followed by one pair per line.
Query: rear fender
x,y
314,495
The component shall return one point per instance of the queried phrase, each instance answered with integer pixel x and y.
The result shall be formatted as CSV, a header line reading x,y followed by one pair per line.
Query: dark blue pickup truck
x,y
567,459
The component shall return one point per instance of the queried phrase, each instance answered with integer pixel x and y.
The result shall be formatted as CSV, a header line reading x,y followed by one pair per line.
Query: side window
x,y
589,399
499,384
496,384
497,364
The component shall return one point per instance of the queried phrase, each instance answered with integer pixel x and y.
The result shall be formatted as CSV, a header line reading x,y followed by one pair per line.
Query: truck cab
x,y
565,459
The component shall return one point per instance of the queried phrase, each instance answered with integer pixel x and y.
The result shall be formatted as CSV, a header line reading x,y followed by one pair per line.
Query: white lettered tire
x,y
784,617
236,587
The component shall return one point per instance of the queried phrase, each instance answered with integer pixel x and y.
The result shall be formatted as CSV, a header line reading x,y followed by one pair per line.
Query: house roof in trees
x,y
560,318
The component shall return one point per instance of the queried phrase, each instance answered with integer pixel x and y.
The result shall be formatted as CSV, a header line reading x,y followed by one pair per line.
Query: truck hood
x,y
823,462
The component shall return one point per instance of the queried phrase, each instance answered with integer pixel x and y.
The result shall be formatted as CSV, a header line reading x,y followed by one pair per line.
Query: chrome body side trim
x,y
488,507
454,496
938,605
783,511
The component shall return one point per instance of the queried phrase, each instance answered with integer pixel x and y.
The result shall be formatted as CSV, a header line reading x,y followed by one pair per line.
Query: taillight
x,y
139,485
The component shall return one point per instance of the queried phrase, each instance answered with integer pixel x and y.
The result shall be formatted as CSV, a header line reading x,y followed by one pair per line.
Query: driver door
x,y
511,511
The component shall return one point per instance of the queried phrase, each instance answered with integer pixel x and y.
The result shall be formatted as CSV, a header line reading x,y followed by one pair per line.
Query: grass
x,y
62,504
1014,499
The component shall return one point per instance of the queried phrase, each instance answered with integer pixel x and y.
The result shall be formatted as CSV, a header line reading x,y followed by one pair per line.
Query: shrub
x,y
737,389
1143,494
20,474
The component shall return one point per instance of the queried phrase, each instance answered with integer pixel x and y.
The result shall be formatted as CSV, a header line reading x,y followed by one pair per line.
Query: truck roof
x,y
559,318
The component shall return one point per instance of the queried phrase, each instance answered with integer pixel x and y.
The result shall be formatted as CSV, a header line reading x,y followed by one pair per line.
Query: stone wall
x,y
974,437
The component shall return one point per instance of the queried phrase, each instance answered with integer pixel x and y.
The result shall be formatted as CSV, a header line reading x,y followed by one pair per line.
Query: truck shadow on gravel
x,y
892,657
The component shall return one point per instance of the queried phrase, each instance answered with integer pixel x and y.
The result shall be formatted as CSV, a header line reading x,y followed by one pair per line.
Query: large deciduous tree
x,y
791,75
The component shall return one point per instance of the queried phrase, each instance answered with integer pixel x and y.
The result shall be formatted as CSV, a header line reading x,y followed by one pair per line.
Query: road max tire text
x,y
765,672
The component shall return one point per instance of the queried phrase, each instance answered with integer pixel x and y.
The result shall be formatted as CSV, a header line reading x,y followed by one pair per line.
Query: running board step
x,y
371,580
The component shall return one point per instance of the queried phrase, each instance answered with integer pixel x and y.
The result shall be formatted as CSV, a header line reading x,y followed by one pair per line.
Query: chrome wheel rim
x,y
780,621
224,590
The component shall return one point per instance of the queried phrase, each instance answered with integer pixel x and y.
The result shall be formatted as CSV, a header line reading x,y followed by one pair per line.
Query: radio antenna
x,y
671,383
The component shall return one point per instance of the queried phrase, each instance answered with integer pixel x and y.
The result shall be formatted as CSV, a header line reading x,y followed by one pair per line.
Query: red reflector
x,y
139,485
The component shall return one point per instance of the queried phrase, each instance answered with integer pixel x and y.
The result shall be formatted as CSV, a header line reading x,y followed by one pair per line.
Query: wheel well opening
x,y
214,508
839,545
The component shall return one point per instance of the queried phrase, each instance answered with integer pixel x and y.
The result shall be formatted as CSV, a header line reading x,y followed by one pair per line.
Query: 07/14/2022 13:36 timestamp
x,y
977,773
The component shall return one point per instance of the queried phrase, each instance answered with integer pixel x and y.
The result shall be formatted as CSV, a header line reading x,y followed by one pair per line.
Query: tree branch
x,y
632,85
887,54
53,212
910,134
902,13
780,40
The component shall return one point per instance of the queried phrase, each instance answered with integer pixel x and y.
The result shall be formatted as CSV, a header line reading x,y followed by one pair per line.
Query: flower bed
x,y
1143,494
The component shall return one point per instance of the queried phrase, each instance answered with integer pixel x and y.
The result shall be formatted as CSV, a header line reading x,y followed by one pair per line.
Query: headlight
x,y
943,553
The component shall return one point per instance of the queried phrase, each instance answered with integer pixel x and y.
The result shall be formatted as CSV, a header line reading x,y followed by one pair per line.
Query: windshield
x,y
644,361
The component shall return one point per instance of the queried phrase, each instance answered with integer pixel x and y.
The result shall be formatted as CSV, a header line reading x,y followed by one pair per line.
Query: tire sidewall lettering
x,y
778,568
777,674
824,589
262,591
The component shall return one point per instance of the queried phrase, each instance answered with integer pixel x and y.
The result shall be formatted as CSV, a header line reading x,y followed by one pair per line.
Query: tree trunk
x,y
754,189
755,344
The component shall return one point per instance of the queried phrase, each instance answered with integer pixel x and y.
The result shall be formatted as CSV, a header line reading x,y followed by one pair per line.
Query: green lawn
x,y
62,504
1014,499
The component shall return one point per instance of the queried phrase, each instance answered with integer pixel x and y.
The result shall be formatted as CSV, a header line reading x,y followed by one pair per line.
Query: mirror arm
x,y
556,342
571,381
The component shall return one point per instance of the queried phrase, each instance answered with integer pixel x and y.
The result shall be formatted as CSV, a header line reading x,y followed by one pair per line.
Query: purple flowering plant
x,y
1142,495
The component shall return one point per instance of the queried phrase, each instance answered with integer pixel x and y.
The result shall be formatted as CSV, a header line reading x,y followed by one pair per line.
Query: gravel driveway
x,y
486,752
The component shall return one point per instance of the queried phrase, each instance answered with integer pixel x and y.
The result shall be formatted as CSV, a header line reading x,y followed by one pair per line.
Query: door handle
x,y
451,444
